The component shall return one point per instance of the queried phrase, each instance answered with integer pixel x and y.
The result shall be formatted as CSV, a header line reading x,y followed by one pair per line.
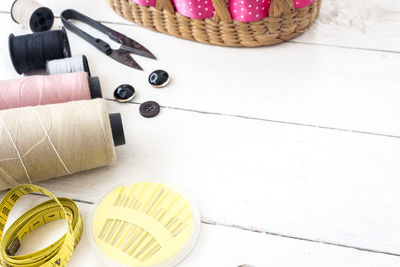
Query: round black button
x,y
124,93
159,78
149,109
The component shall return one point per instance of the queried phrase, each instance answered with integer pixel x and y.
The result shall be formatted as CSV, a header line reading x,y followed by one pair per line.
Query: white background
x,y
291,151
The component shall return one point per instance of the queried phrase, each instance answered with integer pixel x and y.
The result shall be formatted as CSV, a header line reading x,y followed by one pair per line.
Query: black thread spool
x,y
31,51
40,19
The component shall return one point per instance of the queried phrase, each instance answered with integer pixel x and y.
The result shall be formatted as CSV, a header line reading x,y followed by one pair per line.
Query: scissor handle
x,y
98,43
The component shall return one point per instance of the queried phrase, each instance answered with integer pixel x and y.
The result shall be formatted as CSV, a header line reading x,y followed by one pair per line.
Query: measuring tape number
x,y
55,255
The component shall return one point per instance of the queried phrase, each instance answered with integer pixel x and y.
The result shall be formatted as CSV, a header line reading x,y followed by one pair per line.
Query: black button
x,y
149,109
124,93
159,78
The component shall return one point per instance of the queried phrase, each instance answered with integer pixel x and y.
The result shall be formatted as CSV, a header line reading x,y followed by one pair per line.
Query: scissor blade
x,y
125,58
135,48
129,44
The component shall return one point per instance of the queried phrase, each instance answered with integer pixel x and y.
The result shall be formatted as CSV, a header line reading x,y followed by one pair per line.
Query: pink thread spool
x,y
51,89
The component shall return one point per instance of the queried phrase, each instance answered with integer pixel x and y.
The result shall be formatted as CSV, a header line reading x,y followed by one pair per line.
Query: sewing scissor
x,y
122,54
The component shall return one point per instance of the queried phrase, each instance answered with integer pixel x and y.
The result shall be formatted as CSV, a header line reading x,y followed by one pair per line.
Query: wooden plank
x,y
366,24
331,186
359,23
222,246
294,178
295,83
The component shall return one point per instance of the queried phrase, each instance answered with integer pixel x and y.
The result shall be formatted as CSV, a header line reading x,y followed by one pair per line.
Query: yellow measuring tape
x,y
58,253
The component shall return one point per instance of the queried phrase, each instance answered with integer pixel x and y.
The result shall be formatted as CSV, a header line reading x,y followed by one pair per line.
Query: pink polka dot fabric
x,y
302,3
241,10
145,2
249,10
195,9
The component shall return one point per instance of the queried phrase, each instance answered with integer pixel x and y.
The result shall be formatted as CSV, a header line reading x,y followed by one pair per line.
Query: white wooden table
x,y
291,151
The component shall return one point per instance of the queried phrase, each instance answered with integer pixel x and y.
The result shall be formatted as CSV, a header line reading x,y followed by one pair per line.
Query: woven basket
x,y
283,23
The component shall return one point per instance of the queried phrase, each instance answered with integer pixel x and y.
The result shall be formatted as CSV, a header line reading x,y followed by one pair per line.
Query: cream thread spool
x,y
38,143
17,151
32,15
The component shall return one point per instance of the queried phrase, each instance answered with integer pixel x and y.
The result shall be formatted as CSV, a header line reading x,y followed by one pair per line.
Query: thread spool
x,y
32,15
67,65
32,51
38,143
51,89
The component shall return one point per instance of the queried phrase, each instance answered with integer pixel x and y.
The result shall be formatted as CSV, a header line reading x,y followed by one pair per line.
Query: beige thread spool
x,y
38,143
32,15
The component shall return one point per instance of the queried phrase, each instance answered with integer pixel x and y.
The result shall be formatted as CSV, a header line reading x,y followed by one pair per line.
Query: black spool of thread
x,y
31,51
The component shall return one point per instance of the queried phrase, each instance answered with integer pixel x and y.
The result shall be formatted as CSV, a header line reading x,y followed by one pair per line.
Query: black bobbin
x,y
95,88
42,19
31,51
86,65
117,129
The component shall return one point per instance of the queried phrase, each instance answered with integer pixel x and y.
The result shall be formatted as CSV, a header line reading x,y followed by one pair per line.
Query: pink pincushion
x,y
241,10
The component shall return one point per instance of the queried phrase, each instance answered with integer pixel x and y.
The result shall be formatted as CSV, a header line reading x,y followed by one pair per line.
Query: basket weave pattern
x,y
283,23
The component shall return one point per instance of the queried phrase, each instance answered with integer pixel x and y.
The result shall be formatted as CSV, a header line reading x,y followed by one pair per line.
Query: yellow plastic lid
x,y
144,224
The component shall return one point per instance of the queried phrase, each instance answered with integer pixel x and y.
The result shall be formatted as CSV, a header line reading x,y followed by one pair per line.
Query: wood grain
x,y
317,86
221,246
336,187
